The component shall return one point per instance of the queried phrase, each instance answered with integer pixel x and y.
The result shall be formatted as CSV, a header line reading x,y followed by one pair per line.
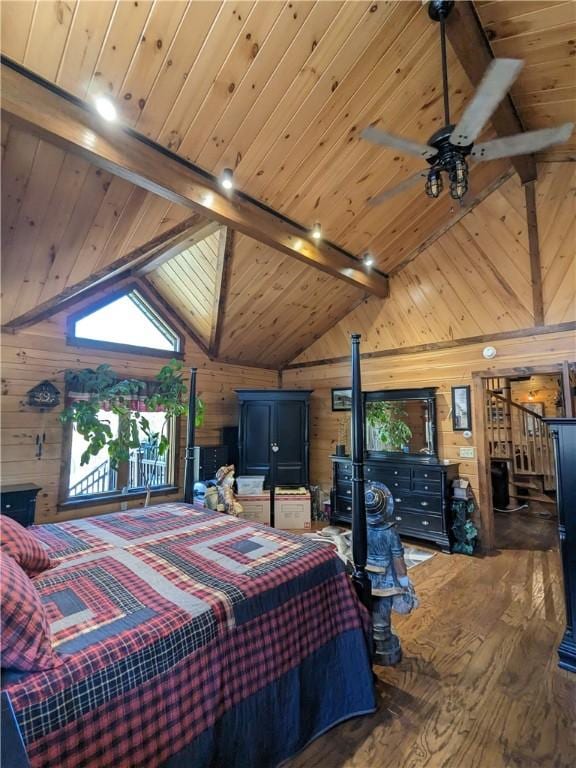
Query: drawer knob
x,y
395,485
398,500
425,474
348,509
398,518
425,487
423,503
8,506
395,471
349,492
368,469
425,522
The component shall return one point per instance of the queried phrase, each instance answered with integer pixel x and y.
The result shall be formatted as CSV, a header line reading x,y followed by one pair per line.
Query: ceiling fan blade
x,y
411,181
397,142
522,143
494,86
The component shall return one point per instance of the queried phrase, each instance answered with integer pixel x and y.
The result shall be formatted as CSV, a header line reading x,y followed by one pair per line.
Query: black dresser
x,y
564,434
19,502
210,459
421,491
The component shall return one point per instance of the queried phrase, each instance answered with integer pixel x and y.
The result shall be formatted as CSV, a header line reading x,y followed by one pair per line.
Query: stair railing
x,y
521,436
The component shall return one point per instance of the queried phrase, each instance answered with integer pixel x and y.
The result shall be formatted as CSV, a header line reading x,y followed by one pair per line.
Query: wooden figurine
x,y
226,499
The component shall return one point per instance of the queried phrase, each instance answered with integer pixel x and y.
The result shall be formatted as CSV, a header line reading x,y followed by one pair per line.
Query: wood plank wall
x,y
442,368
42,353
473,281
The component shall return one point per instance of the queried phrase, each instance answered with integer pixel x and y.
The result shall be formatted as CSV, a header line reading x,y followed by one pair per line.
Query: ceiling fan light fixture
x,y
434,183
458,176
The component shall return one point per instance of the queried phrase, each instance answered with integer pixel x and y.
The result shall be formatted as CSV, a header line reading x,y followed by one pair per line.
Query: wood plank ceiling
x,y
276,90
544,35
189,282
63,220
279,92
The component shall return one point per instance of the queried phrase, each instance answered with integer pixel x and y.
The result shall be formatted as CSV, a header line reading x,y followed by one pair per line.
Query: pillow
x,y
25,631
23,546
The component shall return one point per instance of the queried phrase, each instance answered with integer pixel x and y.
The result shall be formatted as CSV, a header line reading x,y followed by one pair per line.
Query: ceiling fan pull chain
x,y
444,71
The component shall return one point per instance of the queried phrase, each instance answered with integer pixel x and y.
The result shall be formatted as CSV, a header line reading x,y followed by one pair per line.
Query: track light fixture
x,y
368,260
317,231
105,108
227,178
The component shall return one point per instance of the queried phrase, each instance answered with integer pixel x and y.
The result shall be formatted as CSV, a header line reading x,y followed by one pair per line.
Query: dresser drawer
x,y
343,489
427,486
419,523
397,483
344,505
423,473
344,476
387,474
425,503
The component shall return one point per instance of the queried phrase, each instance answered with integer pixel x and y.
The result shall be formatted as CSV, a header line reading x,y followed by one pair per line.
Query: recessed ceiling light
x,y
105,108
227,178
317,231
368,260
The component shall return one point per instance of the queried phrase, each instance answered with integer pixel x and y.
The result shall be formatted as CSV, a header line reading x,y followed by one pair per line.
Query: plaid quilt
x,y
183,632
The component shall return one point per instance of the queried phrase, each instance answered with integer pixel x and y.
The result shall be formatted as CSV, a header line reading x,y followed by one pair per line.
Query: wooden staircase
x,y
520,437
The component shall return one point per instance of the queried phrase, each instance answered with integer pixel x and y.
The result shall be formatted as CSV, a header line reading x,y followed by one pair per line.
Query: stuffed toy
x,y
226,500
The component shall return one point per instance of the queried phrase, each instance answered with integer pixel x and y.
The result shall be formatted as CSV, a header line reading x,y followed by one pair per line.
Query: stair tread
x,y
534,497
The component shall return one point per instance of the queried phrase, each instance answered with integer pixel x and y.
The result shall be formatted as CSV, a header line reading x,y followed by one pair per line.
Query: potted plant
x,y
92,390
386,419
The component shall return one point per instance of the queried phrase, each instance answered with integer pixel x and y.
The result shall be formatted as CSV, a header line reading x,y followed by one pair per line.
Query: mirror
x,y
401,421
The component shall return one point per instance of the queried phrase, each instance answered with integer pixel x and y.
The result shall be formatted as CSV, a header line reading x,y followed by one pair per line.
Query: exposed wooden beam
x,y
124,266
223,271
471,46
49,113
449,344
196,236
156,297
469,204
534,248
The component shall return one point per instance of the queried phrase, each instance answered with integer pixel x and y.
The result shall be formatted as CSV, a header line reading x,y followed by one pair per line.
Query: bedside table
x,y
19,502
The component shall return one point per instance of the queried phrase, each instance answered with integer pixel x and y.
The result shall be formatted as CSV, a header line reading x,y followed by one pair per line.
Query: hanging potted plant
x,y
92,391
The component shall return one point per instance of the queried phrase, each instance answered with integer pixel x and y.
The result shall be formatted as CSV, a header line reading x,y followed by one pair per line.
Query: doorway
x,y
515,452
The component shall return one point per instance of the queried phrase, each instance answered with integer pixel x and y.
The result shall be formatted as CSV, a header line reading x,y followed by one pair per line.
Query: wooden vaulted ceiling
x,y
279,91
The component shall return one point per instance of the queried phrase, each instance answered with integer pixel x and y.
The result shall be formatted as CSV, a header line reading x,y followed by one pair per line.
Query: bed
x,y
190,638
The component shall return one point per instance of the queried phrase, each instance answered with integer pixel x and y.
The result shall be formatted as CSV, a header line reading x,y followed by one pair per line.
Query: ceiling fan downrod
x,y
439,10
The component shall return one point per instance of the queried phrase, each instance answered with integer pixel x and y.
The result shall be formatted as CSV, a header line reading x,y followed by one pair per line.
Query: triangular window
x,y
126,320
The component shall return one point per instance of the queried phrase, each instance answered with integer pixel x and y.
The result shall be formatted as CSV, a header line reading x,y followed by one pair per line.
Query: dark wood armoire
x,y
273,437
564,434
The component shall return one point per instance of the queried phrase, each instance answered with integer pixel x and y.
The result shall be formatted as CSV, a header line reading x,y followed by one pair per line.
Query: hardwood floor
x,y
478,686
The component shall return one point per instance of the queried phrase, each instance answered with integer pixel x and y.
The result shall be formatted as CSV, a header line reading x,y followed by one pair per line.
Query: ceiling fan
x,y
448,148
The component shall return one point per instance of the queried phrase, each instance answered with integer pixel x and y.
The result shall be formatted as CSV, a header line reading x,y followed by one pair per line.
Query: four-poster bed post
x,y
360,578
190,440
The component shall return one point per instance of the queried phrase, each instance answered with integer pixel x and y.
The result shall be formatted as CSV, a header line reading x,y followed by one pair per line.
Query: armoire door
x,y
290,436
256,438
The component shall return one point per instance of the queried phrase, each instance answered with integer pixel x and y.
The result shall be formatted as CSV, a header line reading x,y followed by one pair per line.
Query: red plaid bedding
x,y
174,623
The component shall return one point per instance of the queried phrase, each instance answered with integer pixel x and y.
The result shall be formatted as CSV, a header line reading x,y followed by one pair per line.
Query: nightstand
x,y
19,502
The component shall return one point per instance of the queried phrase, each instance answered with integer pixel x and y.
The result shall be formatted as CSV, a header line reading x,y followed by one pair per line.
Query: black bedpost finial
x,y
359,532
190,440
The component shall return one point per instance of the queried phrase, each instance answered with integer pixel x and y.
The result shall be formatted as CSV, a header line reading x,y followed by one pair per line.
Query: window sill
x,y
98,499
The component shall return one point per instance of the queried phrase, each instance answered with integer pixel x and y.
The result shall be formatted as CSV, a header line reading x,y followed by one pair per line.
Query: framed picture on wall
x,y
461,411
341,399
